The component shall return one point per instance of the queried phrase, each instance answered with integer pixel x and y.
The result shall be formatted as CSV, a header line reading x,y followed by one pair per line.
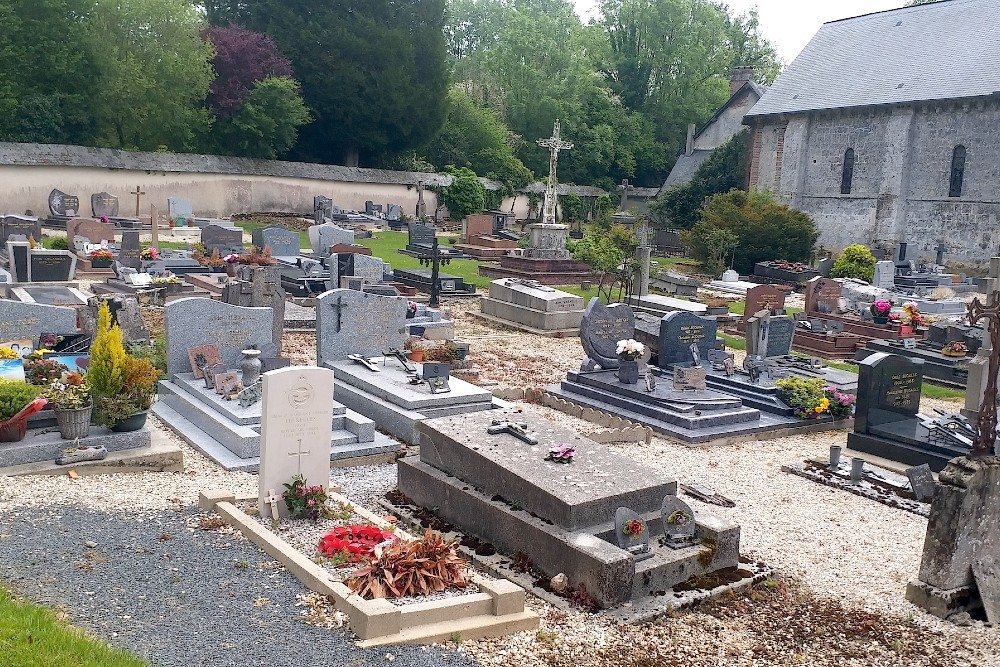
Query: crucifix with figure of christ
x,y
554,144
986,426
138,194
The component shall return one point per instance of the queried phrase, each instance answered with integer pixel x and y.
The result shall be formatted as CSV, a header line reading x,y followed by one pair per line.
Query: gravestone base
x,y
961,531
502,314
47,295
949,371
395,405
420,279
43,443
909,446
230,434
827,346
486,247
500,489
545,271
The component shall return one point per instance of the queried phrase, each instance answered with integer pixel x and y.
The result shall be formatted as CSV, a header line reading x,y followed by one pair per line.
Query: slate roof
x,y
940,51
685,167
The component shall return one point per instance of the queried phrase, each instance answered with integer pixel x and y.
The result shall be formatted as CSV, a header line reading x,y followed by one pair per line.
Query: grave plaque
x,y
63,205
351,322
130,254
28,321
296,414
226,241
922,482
202,357
678,331
226,382
764,297
104,205
823,296
26,226
632,532
690,379
51,266
679,525
195,321
888,390
281,241
601,329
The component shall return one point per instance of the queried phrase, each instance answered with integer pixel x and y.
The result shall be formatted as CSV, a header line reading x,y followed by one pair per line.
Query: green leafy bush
x,y
764,229
572,207
56,243
857,261
14,396
609,251
466,194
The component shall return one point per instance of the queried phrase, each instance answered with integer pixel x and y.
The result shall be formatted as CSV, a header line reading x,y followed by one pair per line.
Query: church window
x,y
847,177
957,172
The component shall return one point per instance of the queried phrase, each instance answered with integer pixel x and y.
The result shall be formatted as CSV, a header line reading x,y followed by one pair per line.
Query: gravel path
x,y
174,595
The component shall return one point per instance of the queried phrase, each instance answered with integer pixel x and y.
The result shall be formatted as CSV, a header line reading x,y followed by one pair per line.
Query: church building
x,y
886,130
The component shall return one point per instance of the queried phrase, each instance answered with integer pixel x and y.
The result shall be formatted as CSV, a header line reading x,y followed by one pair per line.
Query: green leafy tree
x,y
764,230
466,194
267,125
857,261
154,73
610,251
373,73
572,206
724,170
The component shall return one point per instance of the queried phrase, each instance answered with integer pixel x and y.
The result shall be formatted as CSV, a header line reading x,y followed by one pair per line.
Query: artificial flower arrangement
x,y
356,542
411,309
101,253
150,254
679,518
231,258
561,453
8,354
304,501
256,257
165,280
105,219
881,308
633,528
811,399
956,348
40,371
630,350
911,315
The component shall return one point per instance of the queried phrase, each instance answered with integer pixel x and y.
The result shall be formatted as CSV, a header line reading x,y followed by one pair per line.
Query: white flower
x,y
631,347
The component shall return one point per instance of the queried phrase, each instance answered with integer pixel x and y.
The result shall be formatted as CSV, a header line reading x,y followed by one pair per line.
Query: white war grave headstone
x,y
296,418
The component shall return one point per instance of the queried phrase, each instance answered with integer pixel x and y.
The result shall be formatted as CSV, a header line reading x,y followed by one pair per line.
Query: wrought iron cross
x,y
299,454
554,144
339,306
138,193
986,426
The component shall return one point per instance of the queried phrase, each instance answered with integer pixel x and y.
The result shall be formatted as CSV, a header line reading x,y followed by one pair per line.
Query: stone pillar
x,y
962,530
643,255
976,385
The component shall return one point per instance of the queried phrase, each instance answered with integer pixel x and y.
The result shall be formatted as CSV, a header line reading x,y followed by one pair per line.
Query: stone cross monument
x,y
978,367
554,144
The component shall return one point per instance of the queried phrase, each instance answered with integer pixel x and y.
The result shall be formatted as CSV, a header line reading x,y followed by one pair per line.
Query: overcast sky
x,y
789,24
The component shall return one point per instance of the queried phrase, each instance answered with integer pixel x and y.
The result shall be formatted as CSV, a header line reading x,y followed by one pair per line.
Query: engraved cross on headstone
x,y
986,427
554,144
299,454
340,307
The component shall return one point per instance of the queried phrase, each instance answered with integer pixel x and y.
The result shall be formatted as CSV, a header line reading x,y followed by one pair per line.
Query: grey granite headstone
x,y
321,237
370,268
679,525
825,267
27,226
678,331
125,312
889,389
922,482
27,321
634,544
395,213
601,329
282,242
885,275
351,322
225,240
260,287
104,205
63,205
198,321
178,207
131,250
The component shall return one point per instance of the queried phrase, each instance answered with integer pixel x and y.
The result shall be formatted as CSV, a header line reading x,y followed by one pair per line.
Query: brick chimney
x,y
739,76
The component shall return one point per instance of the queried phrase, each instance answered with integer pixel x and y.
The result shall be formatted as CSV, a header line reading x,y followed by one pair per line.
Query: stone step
x,y
46,444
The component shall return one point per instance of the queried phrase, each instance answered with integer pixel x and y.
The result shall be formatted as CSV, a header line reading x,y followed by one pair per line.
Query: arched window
x,y
957,172
847,177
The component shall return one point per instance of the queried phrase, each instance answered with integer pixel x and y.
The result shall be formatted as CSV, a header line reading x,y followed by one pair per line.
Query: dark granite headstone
x,y
227,241
282,242
601,329
125,312
888,390
26,226
17,252
780,331
104,205
50,266
678,330
131,250
421,235
823,296
922,482
63,205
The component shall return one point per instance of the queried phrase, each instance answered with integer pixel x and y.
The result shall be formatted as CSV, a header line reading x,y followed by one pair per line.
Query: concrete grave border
x,y
496,611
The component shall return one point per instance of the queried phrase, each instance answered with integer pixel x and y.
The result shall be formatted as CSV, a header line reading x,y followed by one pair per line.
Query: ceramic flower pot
x,y
628,371
133,423
416,355
905,330
74,424
250,367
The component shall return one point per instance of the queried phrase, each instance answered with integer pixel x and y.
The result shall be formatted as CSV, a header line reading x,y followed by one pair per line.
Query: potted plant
x,y
416,351
955,348
73,405
629,353
101,258
18,401
127,411
411,310
230,263
304,501
880,311
122,386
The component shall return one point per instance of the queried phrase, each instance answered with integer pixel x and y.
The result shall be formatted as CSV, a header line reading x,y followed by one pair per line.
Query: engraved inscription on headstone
x,y
678,331
601,329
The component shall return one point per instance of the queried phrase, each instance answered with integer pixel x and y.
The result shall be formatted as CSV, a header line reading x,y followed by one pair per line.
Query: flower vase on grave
x,y
905,330
230,269
628,371
250,367
880,319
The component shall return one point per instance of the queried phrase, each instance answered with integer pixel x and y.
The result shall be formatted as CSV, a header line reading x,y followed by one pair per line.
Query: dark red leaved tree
x,y
242,58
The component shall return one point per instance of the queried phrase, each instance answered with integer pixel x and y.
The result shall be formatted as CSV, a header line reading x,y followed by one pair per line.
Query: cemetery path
x,y
174,594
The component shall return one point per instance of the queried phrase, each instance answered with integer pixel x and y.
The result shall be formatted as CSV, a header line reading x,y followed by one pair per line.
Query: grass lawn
x,y
739,307
387,245
32,635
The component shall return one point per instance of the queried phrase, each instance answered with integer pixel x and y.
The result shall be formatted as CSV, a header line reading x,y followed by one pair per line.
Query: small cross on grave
x,y
986,427
364,361
941,249
299,454
272,500
340,307
517,429
138,192
399,356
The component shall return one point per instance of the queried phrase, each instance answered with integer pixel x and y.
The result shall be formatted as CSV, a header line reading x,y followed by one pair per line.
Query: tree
x,y
465,195
764,229
268,123
475,137
373,73
610,251
242,58
154,74
724,170
857,261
